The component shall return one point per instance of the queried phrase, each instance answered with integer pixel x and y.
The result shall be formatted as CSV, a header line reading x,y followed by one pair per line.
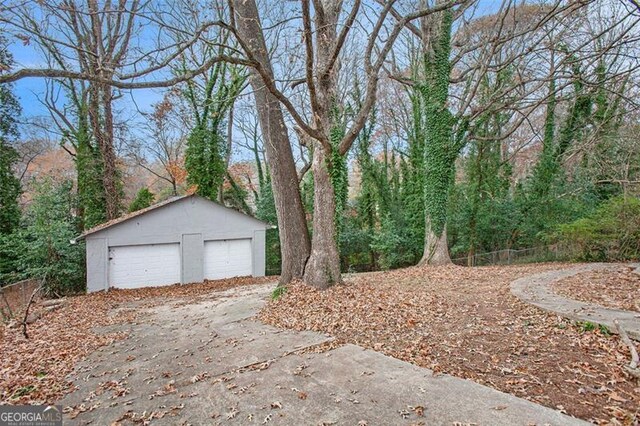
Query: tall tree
x,y
325,31
76,137
9,182
208,144
294,237
442,146
100,34
100,43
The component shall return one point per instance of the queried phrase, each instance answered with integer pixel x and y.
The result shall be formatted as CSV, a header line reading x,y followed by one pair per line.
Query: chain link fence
x,y
550,253
15,297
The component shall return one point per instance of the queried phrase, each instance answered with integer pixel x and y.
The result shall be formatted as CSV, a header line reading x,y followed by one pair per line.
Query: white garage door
x,y
227,258
144,266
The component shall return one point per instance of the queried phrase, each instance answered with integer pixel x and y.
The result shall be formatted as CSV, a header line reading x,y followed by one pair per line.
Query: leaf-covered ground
x,y
618,289
465,322
34,370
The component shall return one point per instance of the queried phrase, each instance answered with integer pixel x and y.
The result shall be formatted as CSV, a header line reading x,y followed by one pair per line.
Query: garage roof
x,y
141,212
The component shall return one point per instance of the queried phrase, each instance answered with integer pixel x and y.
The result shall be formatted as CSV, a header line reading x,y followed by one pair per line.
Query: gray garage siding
x,y
188,221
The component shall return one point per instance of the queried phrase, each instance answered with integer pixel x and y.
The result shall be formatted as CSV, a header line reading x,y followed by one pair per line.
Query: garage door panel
x,y
144,265
215,259
227,259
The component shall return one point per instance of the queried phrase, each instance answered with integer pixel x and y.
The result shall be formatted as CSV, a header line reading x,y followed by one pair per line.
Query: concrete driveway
x,y
212,362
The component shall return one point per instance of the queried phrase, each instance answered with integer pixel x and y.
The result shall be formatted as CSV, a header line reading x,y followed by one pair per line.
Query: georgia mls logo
x,y
30,415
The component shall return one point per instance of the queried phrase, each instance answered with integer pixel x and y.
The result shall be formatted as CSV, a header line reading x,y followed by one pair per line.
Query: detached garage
x,y
181,240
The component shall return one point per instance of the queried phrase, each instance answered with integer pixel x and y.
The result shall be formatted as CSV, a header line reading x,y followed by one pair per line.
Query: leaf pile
x,y
618,288
465,322
34,370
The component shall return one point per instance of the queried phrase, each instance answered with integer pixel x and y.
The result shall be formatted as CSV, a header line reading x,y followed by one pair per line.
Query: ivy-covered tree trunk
x,y
339,173
101,118
475,200
545,203
89,169
440,148
208,146
9,183
439,167
295,244
414,175
204,161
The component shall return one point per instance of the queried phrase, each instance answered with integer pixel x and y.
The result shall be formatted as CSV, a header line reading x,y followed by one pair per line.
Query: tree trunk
x,y
111,186
436,250
440,151
294,235
102,125
323,267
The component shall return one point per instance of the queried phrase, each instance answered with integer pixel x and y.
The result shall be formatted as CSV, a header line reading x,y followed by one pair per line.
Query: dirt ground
x,y
618,289
465,322
34,370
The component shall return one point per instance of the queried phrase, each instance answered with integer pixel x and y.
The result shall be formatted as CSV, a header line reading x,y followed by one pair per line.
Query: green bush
x,y
266,211
42,247
355,251
144,198
611,233
393,243
278,292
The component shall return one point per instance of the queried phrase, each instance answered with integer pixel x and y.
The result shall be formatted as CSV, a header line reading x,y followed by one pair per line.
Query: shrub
x,y
611,233
393,243
144,198
42,247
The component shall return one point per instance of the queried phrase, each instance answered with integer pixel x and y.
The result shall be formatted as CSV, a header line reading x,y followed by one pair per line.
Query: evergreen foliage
x,y
9,114
266,211
205,161
206,153
144,198
91,202
9,189
610,233
546,198
235,196
41,247
339,175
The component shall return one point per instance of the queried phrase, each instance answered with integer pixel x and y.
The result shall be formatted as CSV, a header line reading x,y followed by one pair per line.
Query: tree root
x,y
632,368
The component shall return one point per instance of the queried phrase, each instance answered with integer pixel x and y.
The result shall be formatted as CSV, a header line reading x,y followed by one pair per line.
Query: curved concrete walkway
x,y
536,290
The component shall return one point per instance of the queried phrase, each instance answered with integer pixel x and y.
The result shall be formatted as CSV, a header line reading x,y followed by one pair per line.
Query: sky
x,y
29,90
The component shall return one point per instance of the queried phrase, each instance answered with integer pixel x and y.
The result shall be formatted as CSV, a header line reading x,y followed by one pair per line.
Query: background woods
x,y
373,134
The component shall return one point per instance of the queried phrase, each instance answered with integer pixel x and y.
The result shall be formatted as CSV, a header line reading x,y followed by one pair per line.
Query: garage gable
x,y
177,216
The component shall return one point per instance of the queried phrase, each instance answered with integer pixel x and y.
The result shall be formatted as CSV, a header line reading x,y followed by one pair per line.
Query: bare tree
x,y
325,30
162,152
294,236
102,44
